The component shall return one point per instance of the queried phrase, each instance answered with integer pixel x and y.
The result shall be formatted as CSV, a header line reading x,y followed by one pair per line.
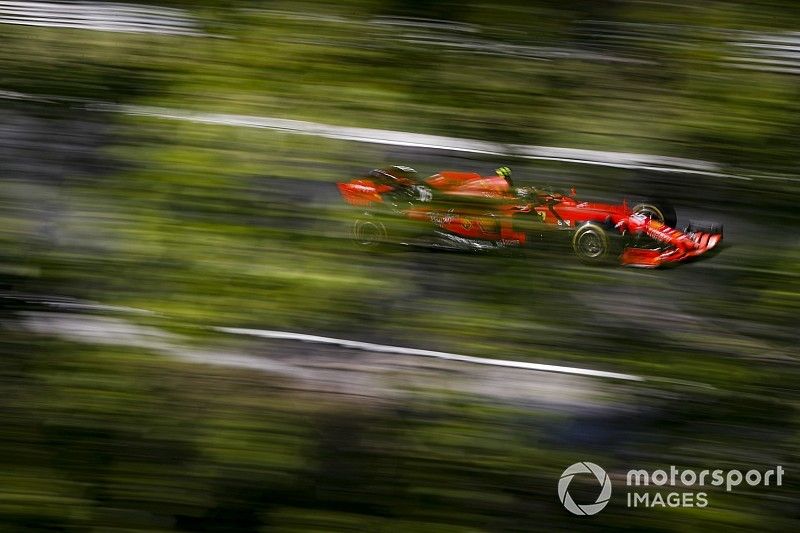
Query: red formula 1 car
x,y
463,210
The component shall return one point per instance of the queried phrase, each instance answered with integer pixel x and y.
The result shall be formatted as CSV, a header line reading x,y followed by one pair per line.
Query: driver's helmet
x,y
506,173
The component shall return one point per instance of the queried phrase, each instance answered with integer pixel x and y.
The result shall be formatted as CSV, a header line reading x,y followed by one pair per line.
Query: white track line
x,y
436,142
358,345
578,156
370,347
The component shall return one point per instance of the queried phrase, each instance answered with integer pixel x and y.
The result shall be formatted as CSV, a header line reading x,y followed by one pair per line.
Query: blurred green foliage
x,y
109,438
223,226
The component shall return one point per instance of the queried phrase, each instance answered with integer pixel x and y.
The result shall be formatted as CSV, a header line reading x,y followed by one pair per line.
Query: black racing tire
x,y
368,232
658,210
593,244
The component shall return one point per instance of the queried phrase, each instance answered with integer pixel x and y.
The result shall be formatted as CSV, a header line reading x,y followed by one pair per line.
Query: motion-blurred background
x,y
152,191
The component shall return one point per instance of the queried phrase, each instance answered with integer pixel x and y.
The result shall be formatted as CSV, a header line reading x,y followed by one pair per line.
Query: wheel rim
x,y
652,212
590,245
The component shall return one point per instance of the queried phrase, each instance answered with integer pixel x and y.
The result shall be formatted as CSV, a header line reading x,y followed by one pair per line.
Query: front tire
x,y
592,244
657,210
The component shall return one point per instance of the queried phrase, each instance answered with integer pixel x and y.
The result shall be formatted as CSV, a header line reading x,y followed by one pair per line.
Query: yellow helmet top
x,y
503,171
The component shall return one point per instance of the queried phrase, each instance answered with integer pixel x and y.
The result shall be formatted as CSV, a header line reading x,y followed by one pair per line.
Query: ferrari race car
x,y
468,211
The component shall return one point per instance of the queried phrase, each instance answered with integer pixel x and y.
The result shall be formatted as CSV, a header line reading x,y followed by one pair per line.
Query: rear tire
x,y
368,232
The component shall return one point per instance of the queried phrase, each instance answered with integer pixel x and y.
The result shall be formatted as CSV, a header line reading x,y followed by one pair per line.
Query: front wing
x,y
677,246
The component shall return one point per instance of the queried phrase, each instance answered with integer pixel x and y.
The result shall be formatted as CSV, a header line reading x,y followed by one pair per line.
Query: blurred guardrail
x,y
104,16
775,51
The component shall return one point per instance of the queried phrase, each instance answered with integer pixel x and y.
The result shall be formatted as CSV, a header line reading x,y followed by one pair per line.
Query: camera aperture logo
x,y
584,468
672,487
